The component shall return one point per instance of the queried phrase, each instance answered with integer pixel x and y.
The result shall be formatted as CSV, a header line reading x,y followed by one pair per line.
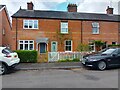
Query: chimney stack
x,y
30,6
109,10
72,8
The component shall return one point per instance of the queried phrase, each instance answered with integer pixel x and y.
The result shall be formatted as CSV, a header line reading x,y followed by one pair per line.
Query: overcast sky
x,y
90,6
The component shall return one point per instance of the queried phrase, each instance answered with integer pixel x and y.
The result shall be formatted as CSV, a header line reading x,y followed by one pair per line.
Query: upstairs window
x,y
30,24
95,28
64,27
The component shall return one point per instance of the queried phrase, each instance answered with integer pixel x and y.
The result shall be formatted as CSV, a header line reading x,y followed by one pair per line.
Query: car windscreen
x,y
6,51
109,51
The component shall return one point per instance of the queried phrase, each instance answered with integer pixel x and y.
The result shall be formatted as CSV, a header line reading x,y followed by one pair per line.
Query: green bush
x,y
27,56
113,45
68,60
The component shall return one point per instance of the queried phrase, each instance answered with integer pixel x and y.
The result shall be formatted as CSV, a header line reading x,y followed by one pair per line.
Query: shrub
x,y
113,45
83,47
68,60
27,56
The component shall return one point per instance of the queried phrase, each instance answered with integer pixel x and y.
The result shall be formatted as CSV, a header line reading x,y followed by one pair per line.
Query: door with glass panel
x,y
53,46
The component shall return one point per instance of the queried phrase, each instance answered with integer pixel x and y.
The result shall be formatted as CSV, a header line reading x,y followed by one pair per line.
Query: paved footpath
x,y
57,65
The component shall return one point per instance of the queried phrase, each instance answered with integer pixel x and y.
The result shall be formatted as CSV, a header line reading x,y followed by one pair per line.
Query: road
x,y
60,78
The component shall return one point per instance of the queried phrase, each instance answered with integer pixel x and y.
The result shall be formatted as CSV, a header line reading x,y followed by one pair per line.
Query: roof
x,y
23,13
1,6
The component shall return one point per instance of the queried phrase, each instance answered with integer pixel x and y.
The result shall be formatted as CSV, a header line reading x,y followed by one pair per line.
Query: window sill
x,y
68,51
30,28
95,33
64,33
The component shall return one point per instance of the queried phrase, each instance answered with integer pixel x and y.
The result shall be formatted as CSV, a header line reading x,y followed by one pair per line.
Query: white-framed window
x,y
26,44
92,46
68,45
64,27
95,28
114,43
30,24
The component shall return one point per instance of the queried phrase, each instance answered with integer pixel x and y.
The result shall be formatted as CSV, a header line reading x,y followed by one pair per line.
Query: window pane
x,y
31,41
95,24
113,43
21,41
31,46
21,46
26,41
64,30
68,48
26,46
35,24
25,23
64,25
68,42
95,30
30,24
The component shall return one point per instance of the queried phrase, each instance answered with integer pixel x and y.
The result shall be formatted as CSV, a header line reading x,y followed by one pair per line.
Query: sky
x,y
88,6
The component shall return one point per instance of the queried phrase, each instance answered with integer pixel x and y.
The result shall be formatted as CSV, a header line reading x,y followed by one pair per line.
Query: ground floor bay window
x,y
26,45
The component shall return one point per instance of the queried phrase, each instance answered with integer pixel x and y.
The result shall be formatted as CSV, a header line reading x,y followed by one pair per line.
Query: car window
x,y
109,51
6,51
118,51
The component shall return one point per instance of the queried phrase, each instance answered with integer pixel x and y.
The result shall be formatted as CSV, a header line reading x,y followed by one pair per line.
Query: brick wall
x,y
108,32
49,28
6,38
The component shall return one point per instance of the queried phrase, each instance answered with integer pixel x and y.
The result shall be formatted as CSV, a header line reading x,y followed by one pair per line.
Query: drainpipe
x,y
16,32
81,32
118,33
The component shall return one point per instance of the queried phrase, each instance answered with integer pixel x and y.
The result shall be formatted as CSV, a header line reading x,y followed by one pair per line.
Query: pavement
x,y
56,65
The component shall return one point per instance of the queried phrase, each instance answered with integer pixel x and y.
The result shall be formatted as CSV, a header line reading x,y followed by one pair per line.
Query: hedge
x,y
118,45
25,56
67,60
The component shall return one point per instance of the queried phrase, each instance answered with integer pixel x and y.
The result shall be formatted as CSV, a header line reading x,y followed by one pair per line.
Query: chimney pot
x,y
72,8
30,5
109,10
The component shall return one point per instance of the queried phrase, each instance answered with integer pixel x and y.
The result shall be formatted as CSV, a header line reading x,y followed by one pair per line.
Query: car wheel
x,y
102,65
3,69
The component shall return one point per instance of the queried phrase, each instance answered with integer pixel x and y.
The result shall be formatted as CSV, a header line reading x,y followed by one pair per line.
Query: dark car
x,y
104,59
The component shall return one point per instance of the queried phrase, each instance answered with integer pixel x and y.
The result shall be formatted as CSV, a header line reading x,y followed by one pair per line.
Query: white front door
x,y
53,46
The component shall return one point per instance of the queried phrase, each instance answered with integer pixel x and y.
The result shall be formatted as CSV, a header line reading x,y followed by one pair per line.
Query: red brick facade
x,y
5,28
50,28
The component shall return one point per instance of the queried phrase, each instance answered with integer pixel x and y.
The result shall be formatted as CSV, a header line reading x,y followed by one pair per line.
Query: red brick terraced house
x,y
58,31
5,27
